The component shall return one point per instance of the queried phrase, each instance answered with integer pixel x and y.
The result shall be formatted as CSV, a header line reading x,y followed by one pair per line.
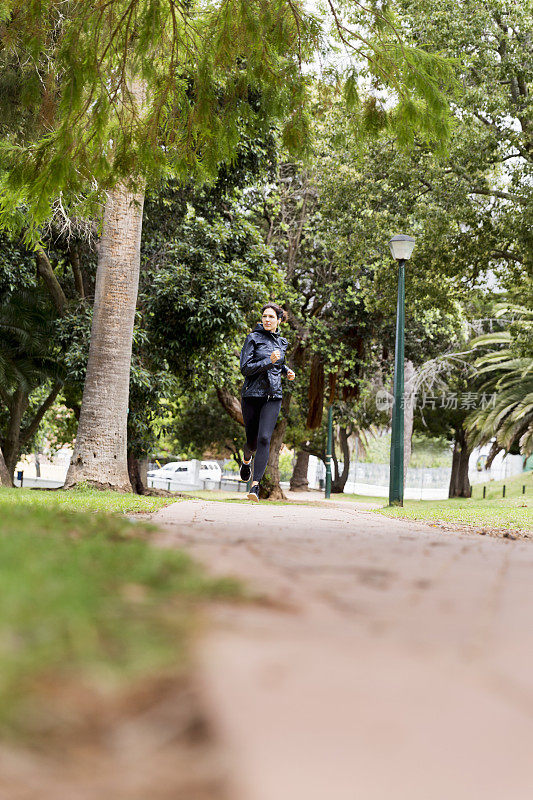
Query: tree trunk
x,y
5,478
74,258
315,393
270,487
134,472
45,270
11,448
337,485
100,452
143,470
459,482
230,404
299,482
47,403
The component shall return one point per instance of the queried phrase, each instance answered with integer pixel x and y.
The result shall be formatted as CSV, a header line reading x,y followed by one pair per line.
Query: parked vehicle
x,y
210,470
168,470
184,470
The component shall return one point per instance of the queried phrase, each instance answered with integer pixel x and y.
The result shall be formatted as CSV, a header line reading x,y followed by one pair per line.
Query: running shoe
x,y
253,494
246,471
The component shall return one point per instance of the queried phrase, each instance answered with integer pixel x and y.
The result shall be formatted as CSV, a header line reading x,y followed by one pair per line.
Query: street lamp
x,y
401,247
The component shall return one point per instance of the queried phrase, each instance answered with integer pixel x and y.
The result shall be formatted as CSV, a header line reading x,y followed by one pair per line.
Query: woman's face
x,y
269,319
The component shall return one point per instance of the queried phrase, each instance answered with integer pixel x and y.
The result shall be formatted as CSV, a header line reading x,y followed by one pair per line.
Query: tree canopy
x,y
70,127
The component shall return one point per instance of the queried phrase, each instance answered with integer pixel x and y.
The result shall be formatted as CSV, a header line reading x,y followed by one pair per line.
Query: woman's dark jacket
x,y
262,377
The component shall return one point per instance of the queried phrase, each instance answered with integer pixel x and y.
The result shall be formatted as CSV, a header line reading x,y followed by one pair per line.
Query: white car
x,y
210,470
183,470
168,470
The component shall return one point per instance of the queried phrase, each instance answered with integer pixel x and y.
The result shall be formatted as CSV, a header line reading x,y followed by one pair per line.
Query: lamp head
x,y
401,247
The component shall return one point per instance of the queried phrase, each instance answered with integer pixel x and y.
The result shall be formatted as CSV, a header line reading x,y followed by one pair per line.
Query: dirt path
x,y
393,662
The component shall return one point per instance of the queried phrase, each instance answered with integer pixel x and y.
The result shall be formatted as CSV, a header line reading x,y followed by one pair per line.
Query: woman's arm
x,y
285,370
250,366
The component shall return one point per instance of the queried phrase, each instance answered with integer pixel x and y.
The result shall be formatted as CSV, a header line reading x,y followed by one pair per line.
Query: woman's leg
x,y
251,412
267,422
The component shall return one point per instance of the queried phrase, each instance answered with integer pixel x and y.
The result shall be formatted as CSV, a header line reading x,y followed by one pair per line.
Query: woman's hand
x,y
290,374
275,355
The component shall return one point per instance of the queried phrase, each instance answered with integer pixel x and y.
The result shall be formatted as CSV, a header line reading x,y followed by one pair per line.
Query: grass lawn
x,y
359,498
83,498
513,488
514,514
85,598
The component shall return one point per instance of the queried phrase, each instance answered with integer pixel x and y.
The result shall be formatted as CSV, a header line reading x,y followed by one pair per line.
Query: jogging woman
x,y
262,364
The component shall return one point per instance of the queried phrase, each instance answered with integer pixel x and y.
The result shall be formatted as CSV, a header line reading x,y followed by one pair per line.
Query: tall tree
x,y
100,452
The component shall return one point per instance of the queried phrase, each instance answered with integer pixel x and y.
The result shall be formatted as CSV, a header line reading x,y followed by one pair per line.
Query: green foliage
x,y
492,152
58,426
195,424
17,267
205,70
210,277
131,88
470,208
206,272
26,357
286,460
200,248
506,369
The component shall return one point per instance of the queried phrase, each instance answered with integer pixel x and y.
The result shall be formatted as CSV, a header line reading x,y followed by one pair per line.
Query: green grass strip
x,y
84,596
515,514
84,498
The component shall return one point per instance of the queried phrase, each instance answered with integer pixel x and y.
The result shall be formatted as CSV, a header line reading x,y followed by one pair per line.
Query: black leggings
x,y
260,416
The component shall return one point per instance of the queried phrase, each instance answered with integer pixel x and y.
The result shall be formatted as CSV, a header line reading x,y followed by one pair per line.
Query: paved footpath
x,y
388,661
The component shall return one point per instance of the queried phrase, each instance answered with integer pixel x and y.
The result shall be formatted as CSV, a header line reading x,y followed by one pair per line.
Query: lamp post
x,y
401,248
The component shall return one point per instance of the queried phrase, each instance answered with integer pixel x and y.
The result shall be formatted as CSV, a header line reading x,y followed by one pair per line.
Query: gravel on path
x,y
388,661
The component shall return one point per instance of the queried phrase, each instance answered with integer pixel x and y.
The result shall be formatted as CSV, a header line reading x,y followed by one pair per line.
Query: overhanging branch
x,y
29,431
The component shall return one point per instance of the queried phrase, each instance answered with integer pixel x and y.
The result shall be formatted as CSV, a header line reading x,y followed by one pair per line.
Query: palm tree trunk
x,y
100,452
